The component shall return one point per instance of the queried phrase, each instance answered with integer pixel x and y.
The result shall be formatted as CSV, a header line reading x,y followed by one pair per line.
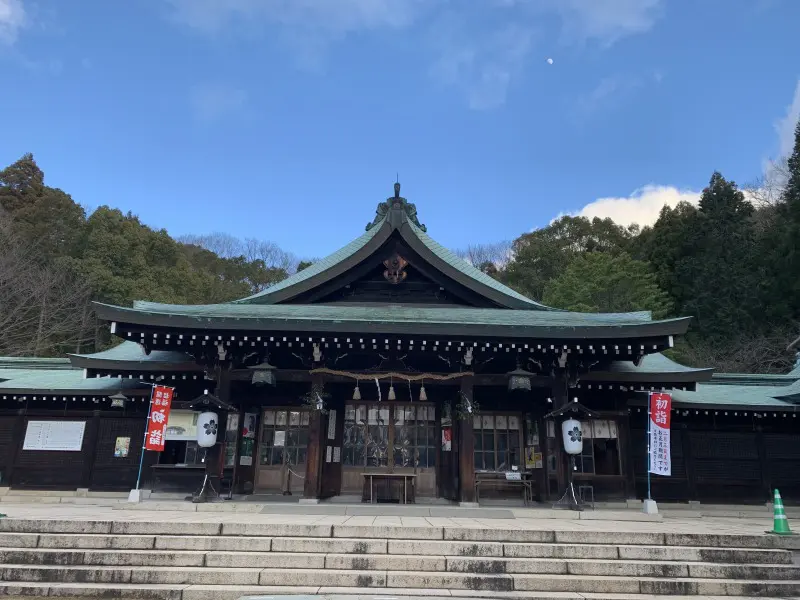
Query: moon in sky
x,y
549,61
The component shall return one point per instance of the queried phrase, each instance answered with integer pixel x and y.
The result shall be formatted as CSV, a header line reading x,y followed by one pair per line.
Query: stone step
x,y
93,564
622,568
450,533
524,582
234,592
396,547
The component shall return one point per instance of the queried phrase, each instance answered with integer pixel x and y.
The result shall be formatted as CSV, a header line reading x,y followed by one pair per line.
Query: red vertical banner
x,y
160,403
660,416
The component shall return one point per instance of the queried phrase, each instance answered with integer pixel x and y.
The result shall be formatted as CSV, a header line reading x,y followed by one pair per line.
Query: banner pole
x,y
649,448
144,439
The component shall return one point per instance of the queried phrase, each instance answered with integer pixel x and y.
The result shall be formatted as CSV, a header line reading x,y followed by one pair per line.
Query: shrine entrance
x,y
388,437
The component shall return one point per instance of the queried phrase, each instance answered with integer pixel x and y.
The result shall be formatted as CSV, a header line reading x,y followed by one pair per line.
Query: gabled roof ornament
x,y
399,203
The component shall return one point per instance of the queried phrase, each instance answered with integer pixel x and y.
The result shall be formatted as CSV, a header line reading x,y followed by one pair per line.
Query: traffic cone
x,y
781,526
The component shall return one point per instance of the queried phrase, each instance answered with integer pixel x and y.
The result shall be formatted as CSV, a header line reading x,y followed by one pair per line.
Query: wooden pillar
x,y
766,479
688,460
17,440
559,389
627,453
466,447
315,449
245,474
90,442
215,454
560,394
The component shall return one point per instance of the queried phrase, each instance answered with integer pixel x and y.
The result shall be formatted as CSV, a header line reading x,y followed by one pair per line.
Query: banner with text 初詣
x,y
160,403
660,413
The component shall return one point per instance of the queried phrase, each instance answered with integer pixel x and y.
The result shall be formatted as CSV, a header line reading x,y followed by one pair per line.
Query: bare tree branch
x,y
487,257
43,308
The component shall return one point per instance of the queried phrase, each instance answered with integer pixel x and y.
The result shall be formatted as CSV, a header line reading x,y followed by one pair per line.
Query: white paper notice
x,y
328,454
280,439
331,424
63,436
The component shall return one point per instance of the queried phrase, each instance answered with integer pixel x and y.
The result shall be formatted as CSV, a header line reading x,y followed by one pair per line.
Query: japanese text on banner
x,y
160,403
660,416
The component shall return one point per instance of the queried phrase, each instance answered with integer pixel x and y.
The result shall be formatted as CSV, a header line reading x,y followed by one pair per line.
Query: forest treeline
x,y
731,262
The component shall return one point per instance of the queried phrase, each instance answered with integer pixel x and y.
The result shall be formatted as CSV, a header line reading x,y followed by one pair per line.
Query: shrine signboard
x,y
160,403
660,456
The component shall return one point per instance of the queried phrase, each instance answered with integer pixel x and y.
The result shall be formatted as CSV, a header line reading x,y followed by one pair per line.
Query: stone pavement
x,y
525,519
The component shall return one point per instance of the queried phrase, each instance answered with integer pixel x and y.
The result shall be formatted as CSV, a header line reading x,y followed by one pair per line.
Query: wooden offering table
x,y
508,479
391,487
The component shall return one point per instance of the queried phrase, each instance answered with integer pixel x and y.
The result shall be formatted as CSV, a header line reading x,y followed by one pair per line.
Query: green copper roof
x,y
395,319
733,396
790,393
653,366
396,214
134,355
28,363
67,382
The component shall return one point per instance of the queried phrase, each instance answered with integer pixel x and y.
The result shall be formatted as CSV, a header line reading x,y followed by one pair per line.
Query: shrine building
x,y
393,360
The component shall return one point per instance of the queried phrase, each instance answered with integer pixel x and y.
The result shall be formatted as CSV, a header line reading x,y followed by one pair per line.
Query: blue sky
x,y
287,120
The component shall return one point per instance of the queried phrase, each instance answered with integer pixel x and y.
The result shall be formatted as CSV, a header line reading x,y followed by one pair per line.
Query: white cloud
x,y
607,21
775,172
642,206
327,18
209,102
479,48
481,66
484,65
608,91
12,19
786,126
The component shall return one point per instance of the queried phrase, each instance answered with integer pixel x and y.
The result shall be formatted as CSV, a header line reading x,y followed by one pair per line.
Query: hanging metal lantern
x,y
357,393
118,400
263,374
572,433
207,429
423,396
519,380
392,395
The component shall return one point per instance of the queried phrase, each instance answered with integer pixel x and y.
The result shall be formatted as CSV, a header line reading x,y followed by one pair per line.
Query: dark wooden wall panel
x,y
112,473
6,447
783,463
40,469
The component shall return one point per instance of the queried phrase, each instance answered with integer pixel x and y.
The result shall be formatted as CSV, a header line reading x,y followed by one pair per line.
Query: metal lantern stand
x,y
569,500
214,453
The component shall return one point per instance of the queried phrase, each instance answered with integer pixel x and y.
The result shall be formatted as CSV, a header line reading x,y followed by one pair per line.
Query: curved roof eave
x,y
653,367
399,320
130,356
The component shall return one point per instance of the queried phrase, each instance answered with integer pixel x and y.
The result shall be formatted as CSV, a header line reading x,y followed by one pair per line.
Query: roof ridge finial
x,y
397,188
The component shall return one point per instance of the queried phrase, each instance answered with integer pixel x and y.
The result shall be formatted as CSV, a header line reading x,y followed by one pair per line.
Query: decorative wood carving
x,y
395,269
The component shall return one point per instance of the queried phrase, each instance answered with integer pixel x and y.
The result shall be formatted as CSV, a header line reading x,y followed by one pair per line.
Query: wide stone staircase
x,y
223,561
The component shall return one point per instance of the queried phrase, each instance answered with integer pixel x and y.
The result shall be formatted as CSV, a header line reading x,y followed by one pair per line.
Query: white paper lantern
x,y
572,432
207,428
